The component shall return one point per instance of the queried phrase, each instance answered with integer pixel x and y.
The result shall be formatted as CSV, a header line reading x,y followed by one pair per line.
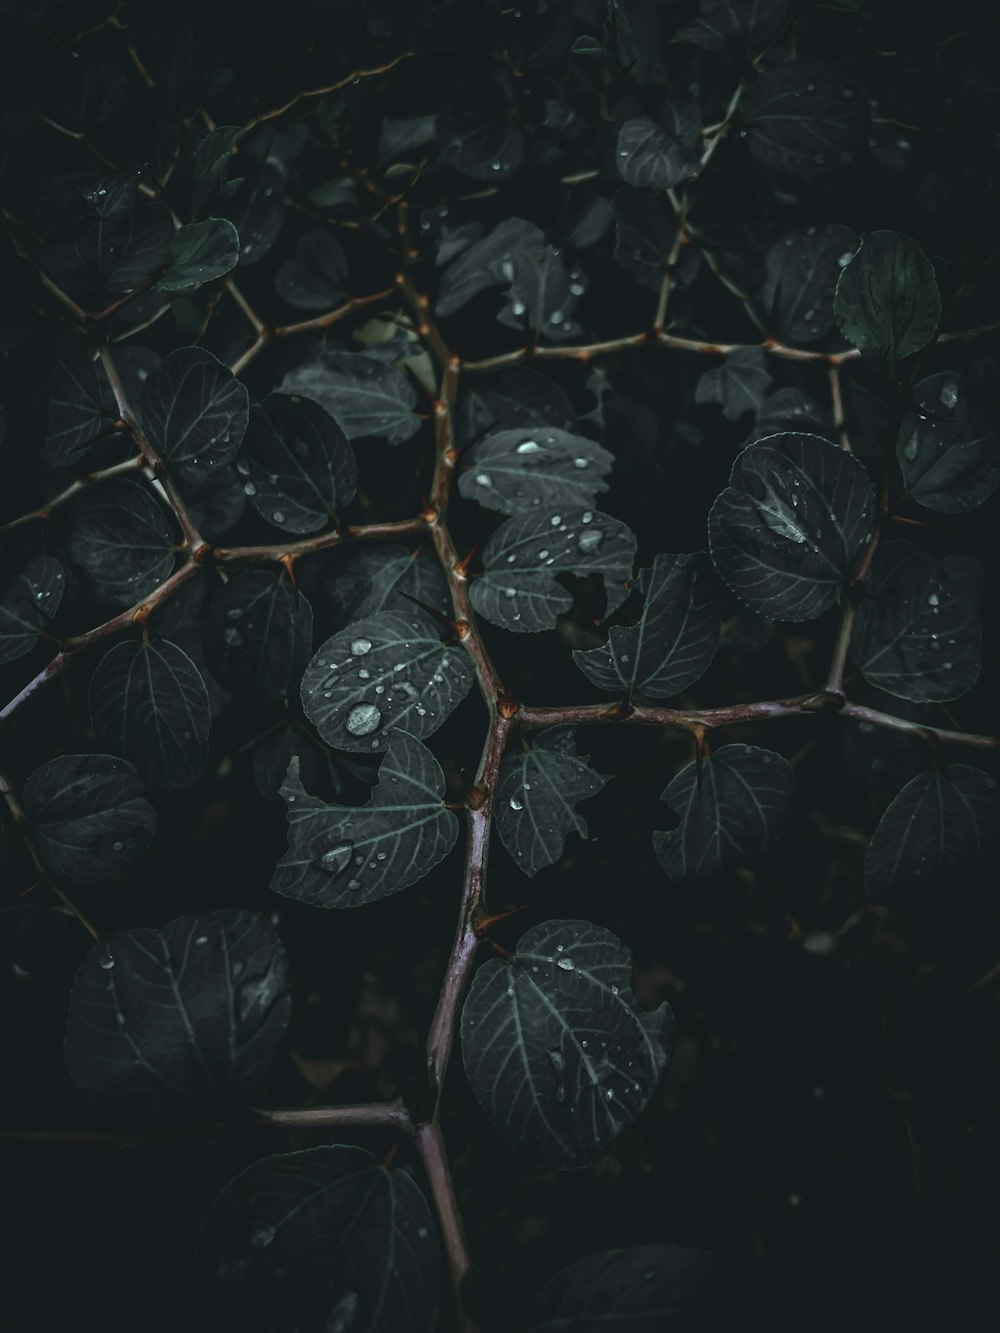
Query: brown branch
x,y
356,77
878,719
74,488
267,335
434,1156
241,555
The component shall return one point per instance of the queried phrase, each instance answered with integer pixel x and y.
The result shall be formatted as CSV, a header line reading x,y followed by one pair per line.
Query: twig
x,y
74,488
435,1160
356,77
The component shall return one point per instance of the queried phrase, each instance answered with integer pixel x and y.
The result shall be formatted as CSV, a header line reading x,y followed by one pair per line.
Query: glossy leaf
x,y
518,588
738,385
800,276
737,809
384,671
675,638
259,635
181,1016
941,823
363,394
804,118
149,703
298,464
887,301
949,453
194,411
650,157
315,278
327,1238
200,252
88,816
556,1049
791,525
347,855
79,405
484,148
120,537
537,795
515,471
916,632
542,294
29,605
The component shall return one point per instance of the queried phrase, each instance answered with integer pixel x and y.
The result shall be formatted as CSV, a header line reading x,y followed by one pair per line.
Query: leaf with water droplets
x,y
739,385
537,795
738,808
120,537
803,119
792,525
556,1048
183,1016
800,276
149,703
259,635
298,464
384,671
516,471
675,638
942,822
649,157
887,301
518,588
486,263
363,394
348,855
949,453
194,411
29,605
199,252
88,816
542,294
916,632
329,1235
363,580
514,398
80,404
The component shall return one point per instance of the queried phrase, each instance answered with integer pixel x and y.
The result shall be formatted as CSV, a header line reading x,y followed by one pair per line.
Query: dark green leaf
x,y
638,39
364,580
347,855
887,301
542,294
198,253
149,703
788,411
315,278
121,538
80,405
804,118
536,798
514,398
400,137
259,635
515,471
326,1238
484,148
487,263
644,236
254,203
142,240
215,151
916,632
948,452
734,28
673,642
385,671
217,505
363,395
556,1049
29,605
518,588
739,385
194,411
800,277
185,1015
650,157
88,816
737,809
792,525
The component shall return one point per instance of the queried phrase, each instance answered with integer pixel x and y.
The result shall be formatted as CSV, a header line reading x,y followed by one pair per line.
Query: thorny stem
x,y
74,488
434,1156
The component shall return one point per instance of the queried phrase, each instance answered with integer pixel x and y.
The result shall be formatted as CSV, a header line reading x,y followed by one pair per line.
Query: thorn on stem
x,y
288,561
482,925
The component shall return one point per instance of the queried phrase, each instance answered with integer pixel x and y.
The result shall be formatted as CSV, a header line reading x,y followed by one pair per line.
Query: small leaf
x,y
363,580
916,632
254,203
512,399
484,148
800,276
88,816
329,1234
482,264
198,253
399,137
887,301
195,412
517,470
948,452
942,822
298,465
739,385
382,672
518,588
792,525
542,294
556,1049
675,639
804,118
638,39
735,28
121,538
536,798
80,405
361,393
786,412
651,158
184,1016
645,230
149,703
259,635
315,278
30,603
736,809
215,151
347,855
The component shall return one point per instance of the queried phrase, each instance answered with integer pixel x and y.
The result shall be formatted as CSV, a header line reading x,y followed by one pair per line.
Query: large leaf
x,y
363,394
948,451
382,672
325,1239
735,808
523,469
347,855
121,538
941,823
644,1289
88,816
651,158
259,635
804,118
556,1049
180,1016
738,385
537,795
486,263
887,301
29,605
675,638
149,703
791,525
315,278
518,588
298,464
800,276
194,411
80,407
198,253
916,632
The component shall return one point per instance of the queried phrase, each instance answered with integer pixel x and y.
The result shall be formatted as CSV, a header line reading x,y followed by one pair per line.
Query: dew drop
x,y
517,307
262,1237
949,394
587,517
336,858
243,467
515,804
107,961
566,964
528,447
249,489
581,462
363,719
361,646
510,592
278,516
482,479
590,541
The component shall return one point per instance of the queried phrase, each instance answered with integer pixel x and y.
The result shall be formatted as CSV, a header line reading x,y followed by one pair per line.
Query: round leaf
x,y
887,301
195,412
29,605
515,471
804,118
259,635
198,253
948,452
121,538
